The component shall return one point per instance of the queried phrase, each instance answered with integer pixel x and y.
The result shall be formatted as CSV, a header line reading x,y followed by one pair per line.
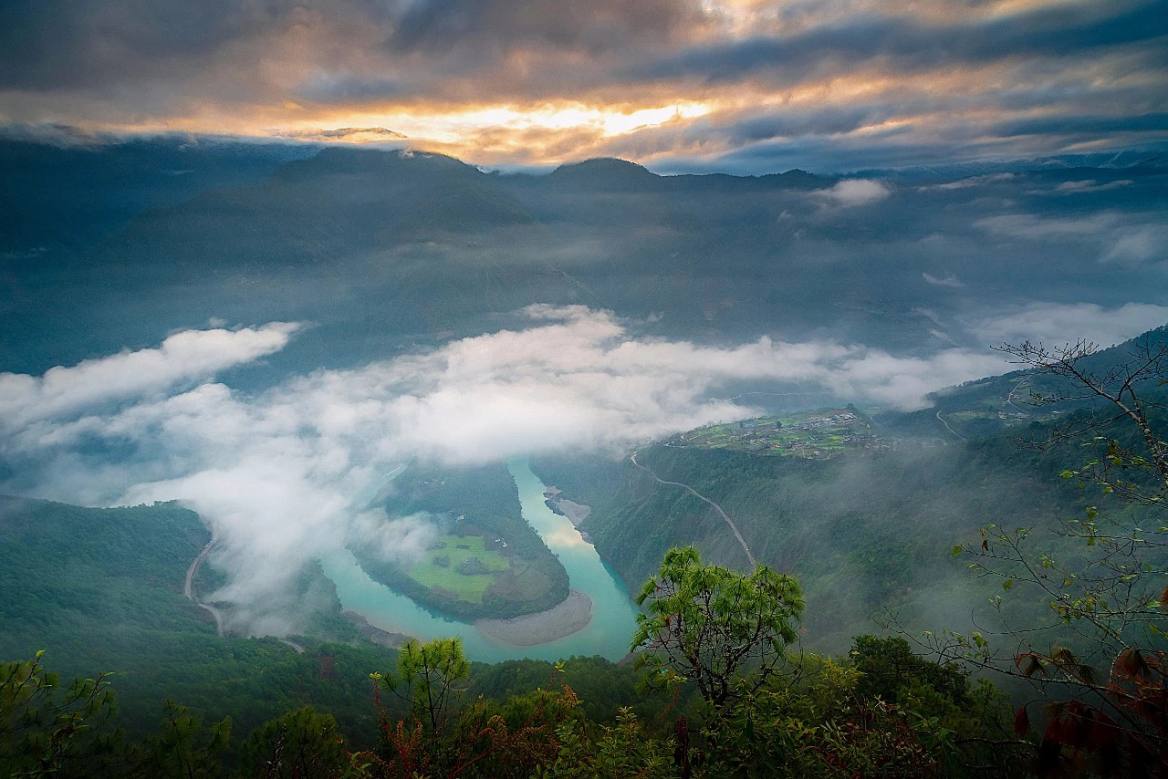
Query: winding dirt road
x,y
189,586
945,422
1023,383
725,517
189,592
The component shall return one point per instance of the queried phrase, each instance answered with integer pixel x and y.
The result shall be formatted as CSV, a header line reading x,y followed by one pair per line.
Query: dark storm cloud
x,y
1091,125
502,26
54,44
908,45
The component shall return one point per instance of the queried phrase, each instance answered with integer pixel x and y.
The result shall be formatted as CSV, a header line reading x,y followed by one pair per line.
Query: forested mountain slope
x,y
867,533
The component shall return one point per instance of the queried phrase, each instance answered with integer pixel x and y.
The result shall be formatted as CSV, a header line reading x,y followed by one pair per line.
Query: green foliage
x,y
820,722
816,725
613,752
431,678
603,687
183,746
877,711
817,720
887,665
707,624
102,589
301,743
864,533
49,731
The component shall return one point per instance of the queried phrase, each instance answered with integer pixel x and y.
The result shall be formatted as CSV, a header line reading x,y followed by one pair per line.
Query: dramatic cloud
x,y
727,83
295,473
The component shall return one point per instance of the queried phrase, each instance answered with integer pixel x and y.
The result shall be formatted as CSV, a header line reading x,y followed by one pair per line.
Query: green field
x,y
460,565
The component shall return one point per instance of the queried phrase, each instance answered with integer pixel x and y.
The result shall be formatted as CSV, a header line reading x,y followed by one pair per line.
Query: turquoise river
x,y
613,612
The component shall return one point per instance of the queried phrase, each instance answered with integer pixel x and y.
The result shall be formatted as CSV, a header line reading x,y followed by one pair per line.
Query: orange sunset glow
x,y
680,85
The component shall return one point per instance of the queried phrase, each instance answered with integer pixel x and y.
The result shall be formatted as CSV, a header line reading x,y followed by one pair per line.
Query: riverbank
x,y
600,625
375,634
575,512
571,615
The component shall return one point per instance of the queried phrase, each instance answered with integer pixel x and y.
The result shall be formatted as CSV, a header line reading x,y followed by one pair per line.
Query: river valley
x,y
600,600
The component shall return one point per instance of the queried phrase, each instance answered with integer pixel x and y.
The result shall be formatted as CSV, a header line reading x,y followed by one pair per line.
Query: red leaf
x,y
1130,663
1021,722
1067,724
1028,663
1102,732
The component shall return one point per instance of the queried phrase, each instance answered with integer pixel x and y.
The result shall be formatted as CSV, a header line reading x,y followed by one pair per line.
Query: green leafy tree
x,y
47,730
814,724
709,625
615,752
302,743
431,678
887,666
184,746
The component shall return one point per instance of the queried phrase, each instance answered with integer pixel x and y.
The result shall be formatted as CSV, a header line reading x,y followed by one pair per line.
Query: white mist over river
x,y
607,634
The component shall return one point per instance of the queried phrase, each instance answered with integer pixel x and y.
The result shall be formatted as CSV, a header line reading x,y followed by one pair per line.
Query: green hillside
x,y
866,531
100,590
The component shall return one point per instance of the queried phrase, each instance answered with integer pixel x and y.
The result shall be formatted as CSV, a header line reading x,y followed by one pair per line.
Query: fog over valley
x,y
675,389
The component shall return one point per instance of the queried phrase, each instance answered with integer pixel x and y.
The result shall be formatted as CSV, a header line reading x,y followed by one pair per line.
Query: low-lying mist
x,y
293,473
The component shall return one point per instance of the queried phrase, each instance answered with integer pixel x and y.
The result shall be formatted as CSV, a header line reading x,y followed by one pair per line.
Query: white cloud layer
x,y
855,192
183,357
949,280
1059,323
293,473
1123,239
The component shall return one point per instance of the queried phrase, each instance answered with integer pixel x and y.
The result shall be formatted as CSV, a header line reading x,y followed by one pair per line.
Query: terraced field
x,y
815,435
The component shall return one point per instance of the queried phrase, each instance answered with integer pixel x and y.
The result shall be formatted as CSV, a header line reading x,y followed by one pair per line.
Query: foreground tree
x,y
516,737
183,746
301,743
47,730
711,626
431,679
615,752
1100,664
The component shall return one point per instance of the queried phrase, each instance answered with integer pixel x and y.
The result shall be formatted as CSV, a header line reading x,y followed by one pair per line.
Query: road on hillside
x,y
189,586
725,517
1020,384
189,592
945,422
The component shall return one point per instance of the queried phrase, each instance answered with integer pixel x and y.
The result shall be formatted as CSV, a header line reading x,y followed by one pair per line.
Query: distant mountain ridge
x,y
383,249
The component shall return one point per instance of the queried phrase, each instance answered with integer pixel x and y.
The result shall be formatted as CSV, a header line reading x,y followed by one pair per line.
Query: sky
x,y
735,85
